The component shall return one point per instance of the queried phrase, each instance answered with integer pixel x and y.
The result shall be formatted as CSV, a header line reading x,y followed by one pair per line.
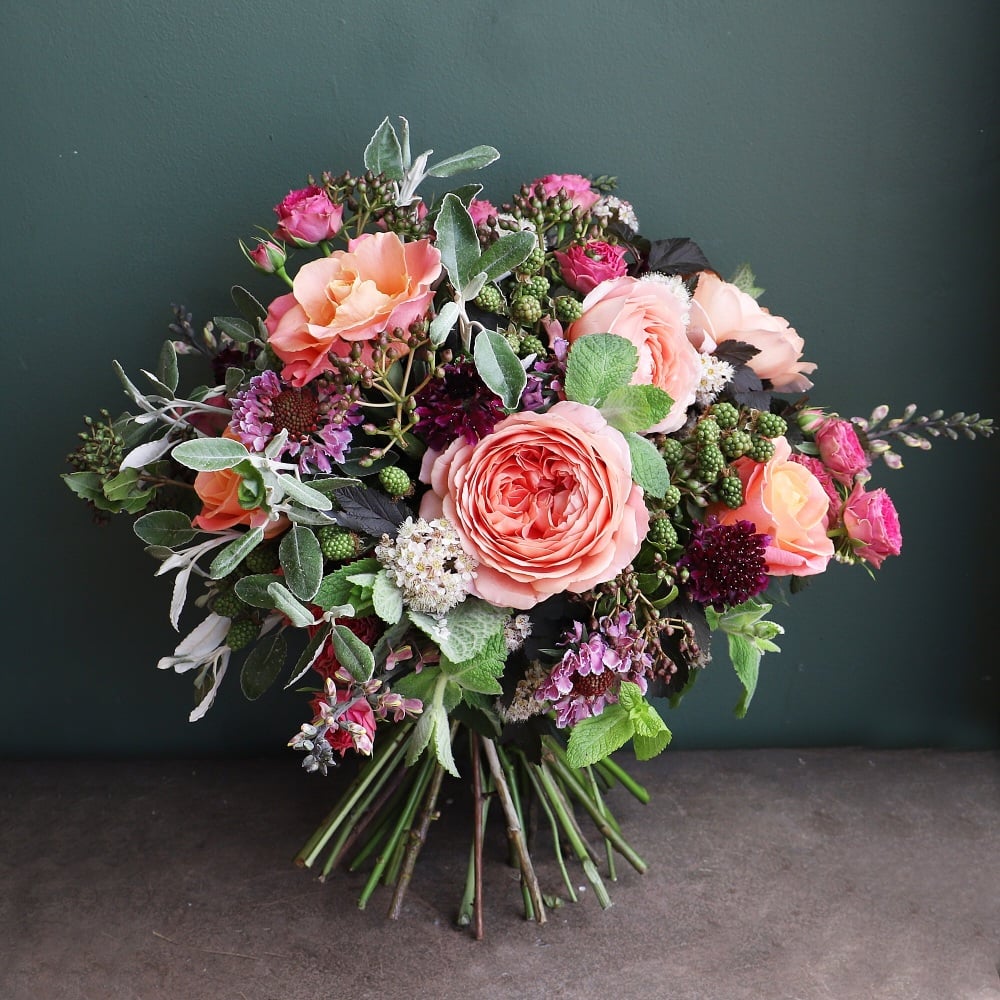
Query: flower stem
x,y
531,770
478,817
618,774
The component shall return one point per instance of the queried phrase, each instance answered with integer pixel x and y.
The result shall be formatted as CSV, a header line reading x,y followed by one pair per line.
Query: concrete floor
x,y
774,875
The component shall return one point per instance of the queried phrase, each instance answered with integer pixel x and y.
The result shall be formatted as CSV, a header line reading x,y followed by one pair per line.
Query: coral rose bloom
x,y
785,500
546,503
349,298
652,315
720,311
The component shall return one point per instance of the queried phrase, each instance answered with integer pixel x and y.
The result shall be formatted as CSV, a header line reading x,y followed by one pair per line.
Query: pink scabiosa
x,y
457,405
725,562
318,418
588,677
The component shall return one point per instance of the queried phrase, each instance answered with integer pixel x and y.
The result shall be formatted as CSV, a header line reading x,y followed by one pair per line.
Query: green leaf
x,y
745,280
352,654
472,159
302,560
647,747
252,491
419,686
286,602
649,469
600,736
86,485
329,486
632,408
210,454
383,154
387,598
253,589
746,662
442,740
337,588
630,696
309,654
240,330
121,486
420,737
443,323
166,369
480,672
305,495
234,553
165,527
163,390
499,367
263,665
247,304
506,253
234,379
466,628
597,364
458,242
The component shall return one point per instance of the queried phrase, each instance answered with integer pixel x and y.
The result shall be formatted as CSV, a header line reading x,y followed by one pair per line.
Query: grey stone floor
x,y
774,874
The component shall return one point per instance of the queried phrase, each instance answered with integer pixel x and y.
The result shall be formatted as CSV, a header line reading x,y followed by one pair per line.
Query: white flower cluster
x,y
428,564
714,376
610,206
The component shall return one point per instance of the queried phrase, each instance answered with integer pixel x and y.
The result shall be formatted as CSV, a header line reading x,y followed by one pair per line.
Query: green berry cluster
x,y
706,431
663,532
241,633
761,449
726,414
731,491
530,345
263,559
711,462
489,299
228,604
337,544
769,425
395,481
735,443
101,448
537,286
526,309
568,309
672,451
533,263
671,496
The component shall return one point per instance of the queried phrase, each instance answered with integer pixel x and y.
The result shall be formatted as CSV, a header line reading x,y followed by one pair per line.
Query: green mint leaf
x,y
420,686
633,408
465,630
499,367
481,672
647,747
387,598
302,561
442,741
600,736
338,588
597,364
649,469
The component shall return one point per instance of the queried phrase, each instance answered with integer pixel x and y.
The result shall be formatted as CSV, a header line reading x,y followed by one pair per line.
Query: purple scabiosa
x,y
457,405
318,418
590,673
726,563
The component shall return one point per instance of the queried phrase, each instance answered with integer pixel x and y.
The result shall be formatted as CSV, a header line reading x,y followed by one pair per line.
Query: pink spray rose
x,y
480,211
546,503
841,451
720,312
785,500
871,521
577,189
307,217
585,267
267,256
652,315
348,298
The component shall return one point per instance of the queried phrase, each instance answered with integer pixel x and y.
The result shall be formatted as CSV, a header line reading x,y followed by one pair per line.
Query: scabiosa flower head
x,y
590,673
317,417
428,564
726,563
458,405
715,375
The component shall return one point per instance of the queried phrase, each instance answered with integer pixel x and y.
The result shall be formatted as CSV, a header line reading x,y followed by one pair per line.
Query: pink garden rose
x,y
585,267
785,500
841,450
871,521
651,315
820,471
545,503
720,312
307,217
348,298
577,189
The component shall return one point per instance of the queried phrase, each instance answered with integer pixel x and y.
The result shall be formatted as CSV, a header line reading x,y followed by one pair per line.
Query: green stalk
x,y
618,774
531,771
608,818
515,795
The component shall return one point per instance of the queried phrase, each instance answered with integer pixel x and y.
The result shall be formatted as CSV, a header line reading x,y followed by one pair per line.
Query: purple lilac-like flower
x,y
588,677
318,418
457,405
726,563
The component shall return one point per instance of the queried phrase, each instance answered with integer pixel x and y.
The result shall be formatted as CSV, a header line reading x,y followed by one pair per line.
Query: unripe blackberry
x,y
241,633
536,286
770,425
672,451
531,345
526,309
568,309
731,491
735,443
711,462
671,496
706,431
228,604
337,544
534,262
760,449
662,531
726,414
263,559
490,299
395,481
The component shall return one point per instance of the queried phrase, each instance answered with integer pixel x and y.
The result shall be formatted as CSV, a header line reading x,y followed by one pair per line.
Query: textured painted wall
x,y
847,150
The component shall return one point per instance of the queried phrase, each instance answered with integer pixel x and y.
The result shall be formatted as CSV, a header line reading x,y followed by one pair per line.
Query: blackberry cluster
x,y
337,544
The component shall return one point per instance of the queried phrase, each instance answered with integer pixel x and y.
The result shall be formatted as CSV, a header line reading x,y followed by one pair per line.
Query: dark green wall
x,y
848,150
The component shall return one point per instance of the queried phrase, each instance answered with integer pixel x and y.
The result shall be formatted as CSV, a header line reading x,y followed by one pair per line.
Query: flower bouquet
x,y
480,482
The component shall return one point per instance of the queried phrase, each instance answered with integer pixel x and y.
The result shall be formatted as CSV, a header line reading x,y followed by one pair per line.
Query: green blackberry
x,y
711,462
531,345
735,443
536,286
337,544
760,449
228,605
770,425
726,414
662,531
490,299
526,309
731,491
568,309
672,451
707,431
395,481
671,497
263,559
241,633
533,263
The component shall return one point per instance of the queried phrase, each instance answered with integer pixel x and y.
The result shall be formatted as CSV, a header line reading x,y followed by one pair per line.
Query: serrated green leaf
x,y
466,628
499,367
336,588
387,598
240,330
352,653
166,368
234,553
165,527
263,665
288,604
647,747
458,242
210,454
506,253
649,469
631,408
472,159
305,495
630,696
302,561
743,617
597,364
480,673
746,662
442,741
420,686
598,737
383,154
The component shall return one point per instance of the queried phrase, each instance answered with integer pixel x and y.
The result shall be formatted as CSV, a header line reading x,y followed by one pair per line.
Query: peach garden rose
x,y
378,283
545,503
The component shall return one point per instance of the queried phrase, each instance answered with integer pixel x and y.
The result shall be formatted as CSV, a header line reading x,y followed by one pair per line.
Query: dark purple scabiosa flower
x,y
726,563
457,405
318,418
588,677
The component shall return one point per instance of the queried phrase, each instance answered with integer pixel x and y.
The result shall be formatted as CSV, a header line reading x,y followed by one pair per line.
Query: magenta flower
x,y
726,563
307,217
458,405
317,417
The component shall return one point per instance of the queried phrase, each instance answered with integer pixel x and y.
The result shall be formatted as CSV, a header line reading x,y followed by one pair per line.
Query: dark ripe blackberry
x,y
591,685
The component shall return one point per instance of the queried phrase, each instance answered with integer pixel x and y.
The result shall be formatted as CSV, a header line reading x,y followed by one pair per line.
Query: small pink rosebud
x,y
307,217
267,257
810,419
872,524
841,450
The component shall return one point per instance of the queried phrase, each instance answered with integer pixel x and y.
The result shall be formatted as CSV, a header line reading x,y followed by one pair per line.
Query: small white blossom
x,y
715,374
610,207
674,284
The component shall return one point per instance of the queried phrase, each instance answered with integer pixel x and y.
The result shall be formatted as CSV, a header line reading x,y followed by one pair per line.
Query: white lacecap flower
x,y
715,374
428,564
